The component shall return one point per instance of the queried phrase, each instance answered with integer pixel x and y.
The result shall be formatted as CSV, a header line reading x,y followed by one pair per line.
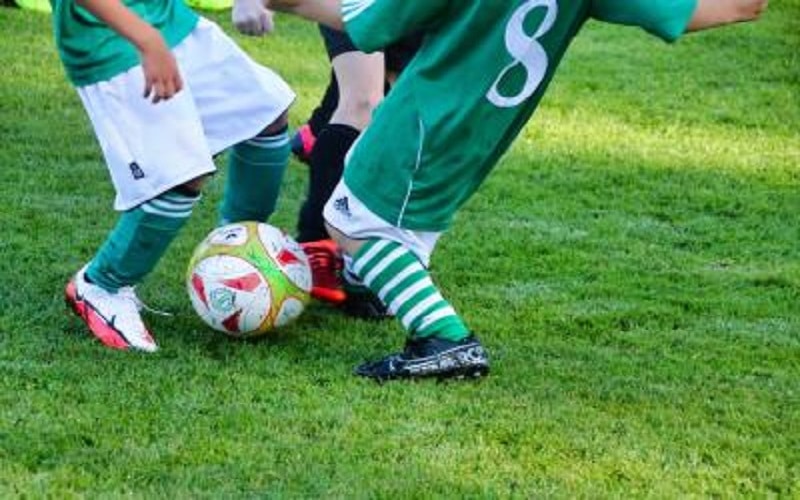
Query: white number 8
x,y
527,51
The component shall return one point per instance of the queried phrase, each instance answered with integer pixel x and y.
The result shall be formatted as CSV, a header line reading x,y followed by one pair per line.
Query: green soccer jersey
x,y
92,52
479,75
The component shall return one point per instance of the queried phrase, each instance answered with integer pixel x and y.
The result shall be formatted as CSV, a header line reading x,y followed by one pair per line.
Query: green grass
x,y
633,266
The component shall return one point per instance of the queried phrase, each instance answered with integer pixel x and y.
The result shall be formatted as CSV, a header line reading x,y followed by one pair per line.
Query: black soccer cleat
x,y
431,357
362,303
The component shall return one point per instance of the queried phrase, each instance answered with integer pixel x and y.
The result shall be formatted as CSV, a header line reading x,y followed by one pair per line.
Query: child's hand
x,y
250,17
162,79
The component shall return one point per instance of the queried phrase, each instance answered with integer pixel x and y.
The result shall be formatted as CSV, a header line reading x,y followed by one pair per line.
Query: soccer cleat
x,y
431,357
362,303
111,317
326,270
302,143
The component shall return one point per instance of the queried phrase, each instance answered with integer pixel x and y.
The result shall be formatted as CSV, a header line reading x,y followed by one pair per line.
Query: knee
x,y
193,187
357,111
348,245
280,124
364,105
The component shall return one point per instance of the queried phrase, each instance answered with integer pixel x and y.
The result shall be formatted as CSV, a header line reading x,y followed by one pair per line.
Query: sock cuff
x,y
171,204
272,141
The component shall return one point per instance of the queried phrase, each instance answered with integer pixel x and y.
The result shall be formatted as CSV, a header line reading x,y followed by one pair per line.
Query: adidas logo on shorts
x,y
342,205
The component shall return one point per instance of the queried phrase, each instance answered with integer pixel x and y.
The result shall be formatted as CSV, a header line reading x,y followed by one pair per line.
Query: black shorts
x,y
398,54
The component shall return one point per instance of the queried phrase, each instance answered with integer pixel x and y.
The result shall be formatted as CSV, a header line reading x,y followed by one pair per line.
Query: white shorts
x,y
150,148
352,218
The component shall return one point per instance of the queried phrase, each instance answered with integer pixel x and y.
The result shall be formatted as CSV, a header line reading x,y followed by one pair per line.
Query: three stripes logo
x,y
343,205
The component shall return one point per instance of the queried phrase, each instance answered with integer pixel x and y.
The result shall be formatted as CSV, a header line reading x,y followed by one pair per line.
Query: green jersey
x,y
93,52
483,67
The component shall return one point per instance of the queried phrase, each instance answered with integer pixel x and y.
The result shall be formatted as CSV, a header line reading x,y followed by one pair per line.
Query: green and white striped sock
x,y
140,238
254,177
400,280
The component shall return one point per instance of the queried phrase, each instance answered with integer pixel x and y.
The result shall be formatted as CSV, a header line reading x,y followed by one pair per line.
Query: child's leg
x,y
255,173
354,89
101,293
392,263
325,171
439,344
140,238
322,113
360,78
404,285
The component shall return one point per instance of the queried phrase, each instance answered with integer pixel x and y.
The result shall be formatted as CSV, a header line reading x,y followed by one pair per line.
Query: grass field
x,y
633,266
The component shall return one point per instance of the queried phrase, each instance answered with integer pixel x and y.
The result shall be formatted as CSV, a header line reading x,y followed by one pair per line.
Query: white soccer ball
x,y
248,278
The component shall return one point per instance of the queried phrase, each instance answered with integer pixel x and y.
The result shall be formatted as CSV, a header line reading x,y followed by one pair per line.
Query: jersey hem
x,y
392,214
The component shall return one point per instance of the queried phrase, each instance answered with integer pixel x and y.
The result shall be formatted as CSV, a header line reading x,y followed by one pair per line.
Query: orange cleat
x,y
326,270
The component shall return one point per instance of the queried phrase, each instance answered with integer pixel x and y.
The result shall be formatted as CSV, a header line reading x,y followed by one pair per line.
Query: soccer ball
x,y
248,278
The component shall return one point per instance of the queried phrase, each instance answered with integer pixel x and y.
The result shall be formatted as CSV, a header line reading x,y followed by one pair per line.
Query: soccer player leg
x,y
141,236
246,114
305,137
325,170
102,292
392,262
255,174
157,155
360,78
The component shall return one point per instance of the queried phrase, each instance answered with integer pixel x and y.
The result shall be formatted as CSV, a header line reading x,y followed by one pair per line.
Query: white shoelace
x,y
129,292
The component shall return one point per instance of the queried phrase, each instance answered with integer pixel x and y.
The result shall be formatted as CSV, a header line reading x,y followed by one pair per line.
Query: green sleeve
x,y
666,19
374,24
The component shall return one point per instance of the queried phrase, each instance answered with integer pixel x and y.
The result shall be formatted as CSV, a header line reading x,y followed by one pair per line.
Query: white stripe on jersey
x,y
352,8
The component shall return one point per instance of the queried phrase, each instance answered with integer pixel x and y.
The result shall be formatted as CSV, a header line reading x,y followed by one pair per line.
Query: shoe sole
x,y
97,325
466,373
474,372
461,362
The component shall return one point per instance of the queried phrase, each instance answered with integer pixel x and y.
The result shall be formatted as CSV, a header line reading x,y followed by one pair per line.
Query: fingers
x,y
248,27
244,27
253,22
162,89
255,27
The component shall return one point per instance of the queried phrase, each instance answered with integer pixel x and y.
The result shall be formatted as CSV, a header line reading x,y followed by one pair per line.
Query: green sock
x,y
255,172
405,286
139,239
